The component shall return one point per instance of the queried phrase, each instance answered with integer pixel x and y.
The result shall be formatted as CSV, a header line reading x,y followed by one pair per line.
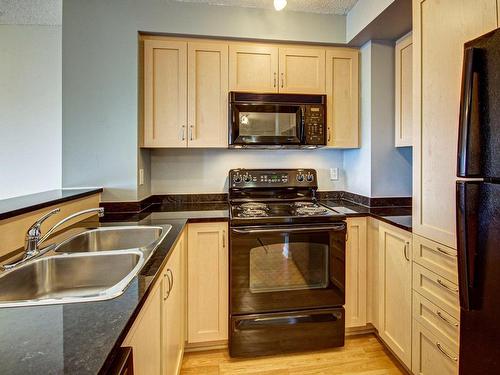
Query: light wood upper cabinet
x,y
404,92
356,247
342,89
207,94
165,93
302,70
395,313
253,67
145,336
441,27
207,282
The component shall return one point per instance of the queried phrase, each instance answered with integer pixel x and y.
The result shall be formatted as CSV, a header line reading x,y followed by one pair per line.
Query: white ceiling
x,y
30,12
312,6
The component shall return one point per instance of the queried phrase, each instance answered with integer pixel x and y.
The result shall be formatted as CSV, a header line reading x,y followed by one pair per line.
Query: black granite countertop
x,y
78,338
27,203
82,338
394,215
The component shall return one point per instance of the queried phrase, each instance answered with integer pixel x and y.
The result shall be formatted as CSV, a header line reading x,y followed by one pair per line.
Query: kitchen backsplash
x,y
180,171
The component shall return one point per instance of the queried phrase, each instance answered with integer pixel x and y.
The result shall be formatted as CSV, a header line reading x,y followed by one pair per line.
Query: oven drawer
x,y
267,334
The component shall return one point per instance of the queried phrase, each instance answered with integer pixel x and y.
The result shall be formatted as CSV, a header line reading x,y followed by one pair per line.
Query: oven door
x,y
287,268
266,124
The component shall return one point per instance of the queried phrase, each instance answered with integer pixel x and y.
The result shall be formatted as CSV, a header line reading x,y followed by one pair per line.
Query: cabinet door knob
x,y
406,251
282,80
275,79
224,238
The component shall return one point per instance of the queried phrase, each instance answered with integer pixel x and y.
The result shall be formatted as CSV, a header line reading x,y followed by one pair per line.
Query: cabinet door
x,y
395,291
172,312
342,89
404,91
253,67
302,70
441,27
145,336
355,299
432,356
165,94
207,94
207,282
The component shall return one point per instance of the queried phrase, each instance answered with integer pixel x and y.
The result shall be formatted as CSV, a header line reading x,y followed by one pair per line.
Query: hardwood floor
x,y
360,355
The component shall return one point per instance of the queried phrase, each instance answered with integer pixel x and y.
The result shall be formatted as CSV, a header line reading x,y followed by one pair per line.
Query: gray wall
x,y
100,67
205,171
378,168
30,97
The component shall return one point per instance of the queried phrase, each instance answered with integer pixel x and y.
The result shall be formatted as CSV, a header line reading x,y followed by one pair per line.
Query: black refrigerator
x,y
478,207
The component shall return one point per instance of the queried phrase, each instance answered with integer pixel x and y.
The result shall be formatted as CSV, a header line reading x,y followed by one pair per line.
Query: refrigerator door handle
x,y
467,198
468,164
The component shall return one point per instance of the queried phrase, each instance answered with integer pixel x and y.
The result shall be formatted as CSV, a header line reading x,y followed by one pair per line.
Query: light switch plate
x,y
141,176
334,174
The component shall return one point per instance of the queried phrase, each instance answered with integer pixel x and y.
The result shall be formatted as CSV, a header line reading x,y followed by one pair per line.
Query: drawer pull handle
x,y
446,320
442,251
453,358
454,290
406,249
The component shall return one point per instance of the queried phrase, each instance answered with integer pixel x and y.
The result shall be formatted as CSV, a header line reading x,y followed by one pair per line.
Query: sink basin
x,y
69,278
114,238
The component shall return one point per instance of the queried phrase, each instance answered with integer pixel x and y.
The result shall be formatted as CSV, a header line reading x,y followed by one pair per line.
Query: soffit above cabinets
x,y
340,7
31,12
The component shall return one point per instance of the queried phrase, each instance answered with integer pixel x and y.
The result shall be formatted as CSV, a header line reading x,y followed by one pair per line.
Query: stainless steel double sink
x,y
93,265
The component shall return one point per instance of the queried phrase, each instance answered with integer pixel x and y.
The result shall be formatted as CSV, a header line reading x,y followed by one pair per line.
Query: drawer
x,y
442,292
438,321
431,355
436,257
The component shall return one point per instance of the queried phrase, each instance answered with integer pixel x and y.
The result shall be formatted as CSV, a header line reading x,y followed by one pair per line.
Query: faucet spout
x,y
34,236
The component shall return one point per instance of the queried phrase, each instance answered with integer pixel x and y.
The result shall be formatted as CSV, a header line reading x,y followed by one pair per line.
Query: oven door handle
x,y
338,227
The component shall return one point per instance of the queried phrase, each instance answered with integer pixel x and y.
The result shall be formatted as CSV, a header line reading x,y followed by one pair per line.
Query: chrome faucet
x,y
34,236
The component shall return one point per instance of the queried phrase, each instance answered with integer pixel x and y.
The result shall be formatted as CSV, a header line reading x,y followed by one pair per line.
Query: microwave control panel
x,y
314,124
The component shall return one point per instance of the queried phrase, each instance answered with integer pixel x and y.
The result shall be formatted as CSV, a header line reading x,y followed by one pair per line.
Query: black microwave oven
x,y
276,120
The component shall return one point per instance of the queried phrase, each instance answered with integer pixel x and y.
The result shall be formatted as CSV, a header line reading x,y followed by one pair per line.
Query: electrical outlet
x,y
141,176
334,174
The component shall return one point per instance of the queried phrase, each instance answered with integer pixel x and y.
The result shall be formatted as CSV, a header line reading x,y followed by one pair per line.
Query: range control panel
x,y
262,178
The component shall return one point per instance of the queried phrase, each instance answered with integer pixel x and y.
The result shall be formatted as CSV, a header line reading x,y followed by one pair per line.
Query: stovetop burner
x,y
282,196
311,210
253,206
252,213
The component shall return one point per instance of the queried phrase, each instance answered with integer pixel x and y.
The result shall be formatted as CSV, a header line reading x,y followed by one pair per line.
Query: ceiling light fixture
x,y
279,4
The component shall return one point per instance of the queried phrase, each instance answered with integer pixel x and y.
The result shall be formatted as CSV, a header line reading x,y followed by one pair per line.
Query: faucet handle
x,y
34,230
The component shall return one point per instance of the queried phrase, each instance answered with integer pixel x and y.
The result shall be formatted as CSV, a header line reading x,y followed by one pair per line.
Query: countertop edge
x,y
79,193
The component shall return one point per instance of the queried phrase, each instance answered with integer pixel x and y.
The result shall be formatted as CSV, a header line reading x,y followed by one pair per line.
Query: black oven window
x,y
290,263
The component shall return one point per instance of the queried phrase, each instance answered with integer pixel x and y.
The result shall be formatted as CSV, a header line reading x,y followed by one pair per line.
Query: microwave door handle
x,y
302,125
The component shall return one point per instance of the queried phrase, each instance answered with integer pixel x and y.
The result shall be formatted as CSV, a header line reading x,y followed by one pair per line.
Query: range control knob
x,y
237,178
310,178
300,177
247,178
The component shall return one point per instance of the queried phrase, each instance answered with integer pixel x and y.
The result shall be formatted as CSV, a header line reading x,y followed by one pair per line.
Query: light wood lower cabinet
x,y
207,282
432,356
145,336
395,290
355,298
173,310
157,335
